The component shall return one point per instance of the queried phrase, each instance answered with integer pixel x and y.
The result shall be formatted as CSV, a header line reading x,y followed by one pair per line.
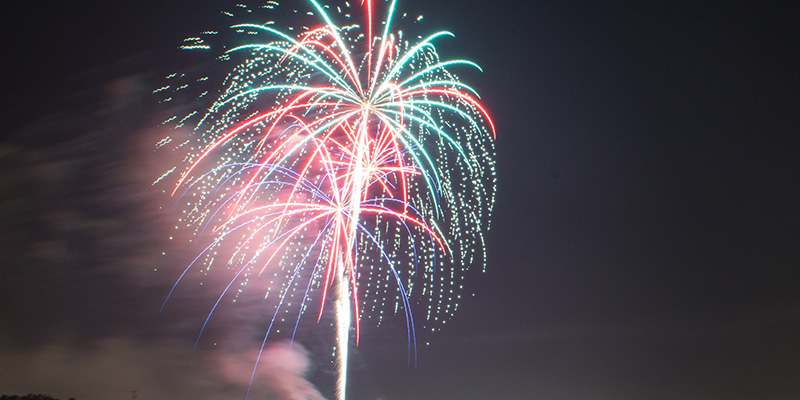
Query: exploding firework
x,y
336,162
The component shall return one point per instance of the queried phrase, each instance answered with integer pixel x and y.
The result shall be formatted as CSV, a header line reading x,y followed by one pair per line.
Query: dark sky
x,y
645,242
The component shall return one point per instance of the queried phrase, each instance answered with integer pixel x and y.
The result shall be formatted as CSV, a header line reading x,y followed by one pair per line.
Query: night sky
x,y
645,242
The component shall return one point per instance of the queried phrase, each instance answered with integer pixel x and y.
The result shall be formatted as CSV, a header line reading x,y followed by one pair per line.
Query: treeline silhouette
x,y
30,396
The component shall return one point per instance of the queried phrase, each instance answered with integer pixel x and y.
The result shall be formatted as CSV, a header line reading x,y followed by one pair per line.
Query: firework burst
x,y
340,163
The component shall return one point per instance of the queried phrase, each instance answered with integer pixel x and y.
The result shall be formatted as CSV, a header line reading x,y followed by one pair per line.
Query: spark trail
x,y
336,157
